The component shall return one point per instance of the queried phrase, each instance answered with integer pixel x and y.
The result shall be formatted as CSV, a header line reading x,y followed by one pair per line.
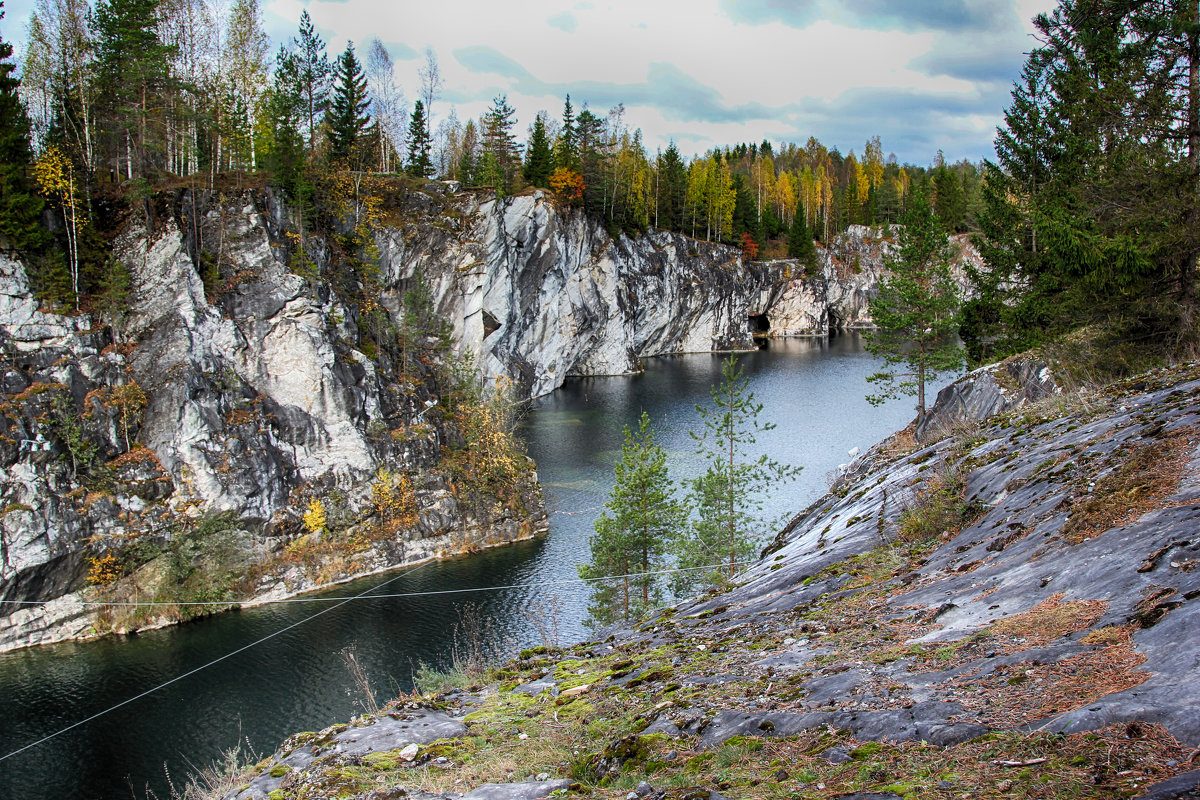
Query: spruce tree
x,y
286,112
566,153
916,311
672,189
20,206
539,161
727,498
632,533
347,115
800,242
134,71
419,164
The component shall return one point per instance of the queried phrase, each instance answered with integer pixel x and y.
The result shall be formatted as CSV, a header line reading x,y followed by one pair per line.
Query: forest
x,y
119,100
1088,214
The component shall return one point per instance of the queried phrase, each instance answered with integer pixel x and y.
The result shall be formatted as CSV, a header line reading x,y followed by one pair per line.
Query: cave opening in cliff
x,y
759,324
490,323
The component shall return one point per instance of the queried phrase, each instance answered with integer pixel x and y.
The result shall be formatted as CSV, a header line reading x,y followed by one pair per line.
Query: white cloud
x,y
779,75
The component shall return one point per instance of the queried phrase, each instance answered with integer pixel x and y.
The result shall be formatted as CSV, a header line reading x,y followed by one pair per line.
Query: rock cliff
x,y
247,377
178,459
538,294
837,295
1003,612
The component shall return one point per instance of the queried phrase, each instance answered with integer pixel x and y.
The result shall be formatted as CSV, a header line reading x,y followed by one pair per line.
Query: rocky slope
x,y
1005,612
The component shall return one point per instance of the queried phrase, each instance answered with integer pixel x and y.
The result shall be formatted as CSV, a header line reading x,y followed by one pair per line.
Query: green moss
x,y
387,760
865,751
279,770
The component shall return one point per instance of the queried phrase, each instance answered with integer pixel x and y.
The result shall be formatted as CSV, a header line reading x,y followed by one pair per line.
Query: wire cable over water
x,y
339,602
429,593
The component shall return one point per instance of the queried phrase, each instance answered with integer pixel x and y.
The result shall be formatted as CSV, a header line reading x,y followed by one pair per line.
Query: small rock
x,y
781,775
643,789
836,755
409,752
945,785
671,755
576,690
631,796
1004,786
543,776
522,736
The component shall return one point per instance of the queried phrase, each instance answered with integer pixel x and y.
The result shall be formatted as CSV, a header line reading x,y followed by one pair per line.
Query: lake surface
x,y
298,679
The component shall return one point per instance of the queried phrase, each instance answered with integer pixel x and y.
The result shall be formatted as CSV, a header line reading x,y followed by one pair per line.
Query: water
x,y
297,680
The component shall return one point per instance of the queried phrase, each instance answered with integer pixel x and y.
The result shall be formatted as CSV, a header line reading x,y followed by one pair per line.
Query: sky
x,y
923,75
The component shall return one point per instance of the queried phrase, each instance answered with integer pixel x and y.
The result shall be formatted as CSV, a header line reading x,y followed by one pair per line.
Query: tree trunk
x,y
1188,268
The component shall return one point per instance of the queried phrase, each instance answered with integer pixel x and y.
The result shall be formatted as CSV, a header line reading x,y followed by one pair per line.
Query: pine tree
x,y
727,498
916,311
346,117
538,158
631,536
133,74
20,206
419,164
313,75
501,156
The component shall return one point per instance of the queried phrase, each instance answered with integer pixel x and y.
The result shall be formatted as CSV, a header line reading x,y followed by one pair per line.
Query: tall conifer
x,y
632,533
538,158
419,164
20,205
347,115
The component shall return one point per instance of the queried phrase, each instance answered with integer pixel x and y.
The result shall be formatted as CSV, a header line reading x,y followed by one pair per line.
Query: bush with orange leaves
x,y
567,185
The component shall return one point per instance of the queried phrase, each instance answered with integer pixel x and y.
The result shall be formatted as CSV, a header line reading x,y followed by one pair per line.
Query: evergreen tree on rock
x,y
312,76
347,115
916,313
419,163
539,160
632,533
727,498
566,154
800,242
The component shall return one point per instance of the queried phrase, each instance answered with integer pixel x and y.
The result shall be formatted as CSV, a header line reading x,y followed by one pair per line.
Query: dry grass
x,y
1026,692
1052,619
1141,484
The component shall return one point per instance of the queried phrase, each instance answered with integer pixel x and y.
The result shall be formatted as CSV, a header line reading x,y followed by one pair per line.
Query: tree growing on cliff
x,y
800,243
419,164
916,311
347,115
539,158
631,537
727,498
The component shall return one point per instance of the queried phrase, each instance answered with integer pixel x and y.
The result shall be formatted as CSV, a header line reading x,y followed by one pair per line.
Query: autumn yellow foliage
x,y
103,570
314,517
